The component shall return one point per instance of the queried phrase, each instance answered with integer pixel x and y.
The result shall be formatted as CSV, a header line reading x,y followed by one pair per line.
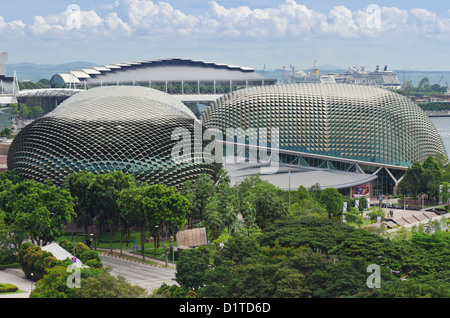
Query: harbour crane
x,y
292,74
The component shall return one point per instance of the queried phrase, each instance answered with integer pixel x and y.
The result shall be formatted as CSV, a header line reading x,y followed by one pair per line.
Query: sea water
x,y
442,125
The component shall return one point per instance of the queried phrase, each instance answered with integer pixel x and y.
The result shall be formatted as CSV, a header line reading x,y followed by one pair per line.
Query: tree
x,y
40,210
167,209
24,111
109,286
268,202
34,261
424,85
445,192
332,200
300,194
11,175
412,182
54,285
95,283
103,192
305,204
315,191
11,237
244,269
78,184
222,177
353,215
363,204
198,193
132,208
36,111
221,210
192,266
422,178
6,132
15,109
44,81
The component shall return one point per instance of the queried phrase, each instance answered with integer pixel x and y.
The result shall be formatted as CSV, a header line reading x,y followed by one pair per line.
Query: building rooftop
x,y
171,69
287,176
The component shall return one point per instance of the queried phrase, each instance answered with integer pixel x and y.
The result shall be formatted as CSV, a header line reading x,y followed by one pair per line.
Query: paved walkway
x,y
16,277
137,256
409,218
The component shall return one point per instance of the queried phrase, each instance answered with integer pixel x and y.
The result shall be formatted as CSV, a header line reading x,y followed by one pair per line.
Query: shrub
x,y
83,253
106,285
35,262
191,267
173,291
7,257
53,285
8,288
67,245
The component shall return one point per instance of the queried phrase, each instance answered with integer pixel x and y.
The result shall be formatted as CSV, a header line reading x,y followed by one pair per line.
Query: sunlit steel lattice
x,y
339,120
109,129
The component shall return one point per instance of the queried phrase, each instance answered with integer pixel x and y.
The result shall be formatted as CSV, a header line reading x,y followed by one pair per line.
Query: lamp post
x,y
32,282
173,245
306,211
238,220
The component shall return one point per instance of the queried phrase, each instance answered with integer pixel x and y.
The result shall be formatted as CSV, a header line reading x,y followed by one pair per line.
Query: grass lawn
x,y
133,240
16,292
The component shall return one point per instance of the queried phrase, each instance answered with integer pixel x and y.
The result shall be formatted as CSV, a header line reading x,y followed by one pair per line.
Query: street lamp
x,y
238,220
306,212
32,282
173,245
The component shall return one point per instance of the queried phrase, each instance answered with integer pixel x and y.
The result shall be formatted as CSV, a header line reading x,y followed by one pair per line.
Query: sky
x,y
412,35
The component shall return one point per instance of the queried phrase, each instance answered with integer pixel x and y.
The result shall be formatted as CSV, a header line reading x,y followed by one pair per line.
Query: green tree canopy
x,y
40,210
332,200
103,191
78,184
422,178
167,209
198,193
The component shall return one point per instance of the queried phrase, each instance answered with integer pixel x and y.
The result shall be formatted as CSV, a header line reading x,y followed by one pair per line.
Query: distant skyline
x,y
412,35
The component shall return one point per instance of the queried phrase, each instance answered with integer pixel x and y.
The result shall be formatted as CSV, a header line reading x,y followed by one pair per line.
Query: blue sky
x,y
413,35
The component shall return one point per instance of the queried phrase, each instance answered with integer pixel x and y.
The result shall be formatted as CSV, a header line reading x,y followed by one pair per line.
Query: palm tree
x,y
6,132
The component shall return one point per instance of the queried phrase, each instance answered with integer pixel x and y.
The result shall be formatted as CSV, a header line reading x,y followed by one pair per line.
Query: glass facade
x,y
6,117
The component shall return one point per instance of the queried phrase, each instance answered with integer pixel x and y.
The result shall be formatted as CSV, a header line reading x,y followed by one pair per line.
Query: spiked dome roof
x,y
107,129
348,121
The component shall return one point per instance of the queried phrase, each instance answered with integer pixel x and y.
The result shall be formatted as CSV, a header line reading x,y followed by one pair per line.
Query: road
x,y
147,276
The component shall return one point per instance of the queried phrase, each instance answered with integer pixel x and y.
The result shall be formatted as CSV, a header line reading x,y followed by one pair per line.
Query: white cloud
x,y
154,19
139,20
424,21
13,28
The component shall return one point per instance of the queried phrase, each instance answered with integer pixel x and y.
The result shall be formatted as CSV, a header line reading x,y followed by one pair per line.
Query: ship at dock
x,y
384,78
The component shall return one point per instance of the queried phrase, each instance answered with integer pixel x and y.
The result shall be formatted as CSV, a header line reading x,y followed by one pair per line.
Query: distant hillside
x,y
36,72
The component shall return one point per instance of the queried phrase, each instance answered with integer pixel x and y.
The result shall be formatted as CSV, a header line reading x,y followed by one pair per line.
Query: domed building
x,y
105,129
334,126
